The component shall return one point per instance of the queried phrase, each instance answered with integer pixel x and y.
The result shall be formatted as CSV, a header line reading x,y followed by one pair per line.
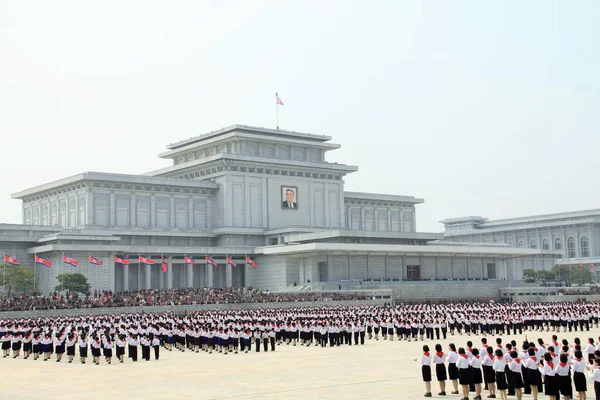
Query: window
x,y
63,215
72,214
571,248
181,215
45,215
520,244
382,222
82,211
533,244
557,244
142,214
584,247
162,214
545,244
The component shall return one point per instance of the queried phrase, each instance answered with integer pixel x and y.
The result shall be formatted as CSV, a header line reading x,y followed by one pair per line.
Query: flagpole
x,y
4,275
34,268
277,108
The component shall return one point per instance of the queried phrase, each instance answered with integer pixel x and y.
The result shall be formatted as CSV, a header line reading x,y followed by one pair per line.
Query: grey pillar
x,y
148,277
190,275
228,276
125,277
209,276
248,281
170,274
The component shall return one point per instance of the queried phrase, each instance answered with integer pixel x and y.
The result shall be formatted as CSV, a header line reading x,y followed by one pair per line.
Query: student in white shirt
x,y
550,384
452,370
516,374
499,367
465,377
533,374
475,363
594,374
579,365
425,362
440,368
563,377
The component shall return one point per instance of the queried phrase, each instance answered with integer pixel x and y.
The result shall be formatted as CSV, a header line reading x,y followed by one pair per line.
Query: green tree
x,y
20,280
562,274
74,282
529,275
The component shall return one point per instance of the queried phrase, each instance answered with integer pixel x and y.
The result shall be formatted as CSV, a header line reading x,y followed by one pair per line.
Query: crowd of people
x,y
510,369
170,297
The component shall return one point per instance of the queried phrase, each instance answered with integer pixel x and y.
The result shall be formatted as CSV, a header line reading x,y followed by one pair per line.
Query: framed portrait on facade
x,y
289,197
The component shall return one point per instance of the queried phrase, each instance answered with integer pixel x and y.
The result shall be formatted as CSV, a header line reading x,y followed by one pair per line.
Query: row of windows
x,y
584,246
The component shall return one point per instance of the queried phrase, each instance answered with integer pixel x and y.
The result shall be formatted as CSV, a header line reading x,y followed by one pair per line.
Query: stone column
x,y
248,281
209,276
228,276
112,284
125,277
170,274
189,275
148,276
161,277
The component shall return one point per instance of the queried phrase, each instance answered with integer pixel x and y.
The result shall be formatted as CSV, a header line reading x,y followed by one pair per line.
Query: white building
x,y
242,191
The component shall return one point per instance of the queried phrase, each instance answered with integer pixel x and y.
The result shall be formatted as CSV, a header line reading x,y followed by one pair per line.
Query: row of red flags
x,y
125,261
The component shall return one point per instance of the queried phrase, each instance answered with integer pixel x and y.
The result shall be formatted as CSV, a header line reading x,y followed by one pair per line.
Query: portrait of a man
x,y
289,197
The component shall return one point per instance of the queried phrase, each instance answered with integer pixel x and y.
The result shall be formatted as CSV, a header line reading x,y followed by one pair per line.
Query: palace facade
x,y
239,192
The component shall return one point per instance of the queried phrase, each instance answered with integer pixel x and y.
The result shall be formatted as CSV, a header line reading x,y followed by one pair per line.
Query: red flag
x,y
251,262
43,261
94,260
231,262
146,261
210,261
189,260
122,260
71,261
279,102
10,260
163,264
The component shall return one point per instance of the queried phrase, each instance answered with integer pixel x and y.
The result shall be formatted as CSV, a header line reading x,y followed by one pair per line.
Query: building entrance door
x,y
413,272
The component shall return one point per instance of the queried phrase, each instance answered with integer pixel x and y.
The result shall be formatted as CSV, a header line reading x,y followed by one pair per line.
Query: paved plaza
x,y
379,369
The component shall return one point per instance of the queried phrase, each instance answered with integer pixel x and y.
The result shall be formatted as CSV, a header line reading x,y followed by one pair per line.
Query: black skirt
x,y
501,383
565,386
517,380
465,376
580,382
426,373
534,377
477,376
71,350
16,346
452,371
440,372
550,386
6,345
488,374
27,346
83,351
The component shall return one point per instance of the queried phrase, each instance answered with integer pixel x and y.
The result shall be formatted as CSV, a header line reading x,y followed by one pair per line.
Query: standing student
x,y
16,344
489,376
594,374
534,378
27,339
71,341
46,346
83,349
156,346
439,358
120,348
95,345
108,346
475,363
452,369
257,340
550,384
272,339
579,365
500,373
563,377
516,375
425,362
6,339
465,376
59,346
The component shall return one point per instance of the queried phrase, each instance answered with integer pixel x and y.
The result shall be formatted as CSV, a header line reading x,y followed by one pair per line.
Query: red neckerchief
x,y
440,354
426,353
550,364
578,359
469,349
542,346
534,358
517,360
555,344
500,357
463,356
477,356
562,364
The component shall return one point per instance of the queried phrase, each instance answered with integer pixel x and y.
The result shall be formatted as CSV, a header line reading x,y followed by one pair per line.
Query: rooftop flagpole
x,y
277,108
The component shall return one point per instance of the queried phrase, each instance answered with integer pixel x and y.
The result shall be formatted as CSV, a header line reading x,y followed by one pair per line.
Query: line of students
x,y
505,371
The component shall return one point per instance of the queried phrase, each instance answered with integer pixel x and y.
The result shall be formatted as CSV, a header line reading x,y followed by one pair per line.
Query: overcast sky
x,y
480,108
